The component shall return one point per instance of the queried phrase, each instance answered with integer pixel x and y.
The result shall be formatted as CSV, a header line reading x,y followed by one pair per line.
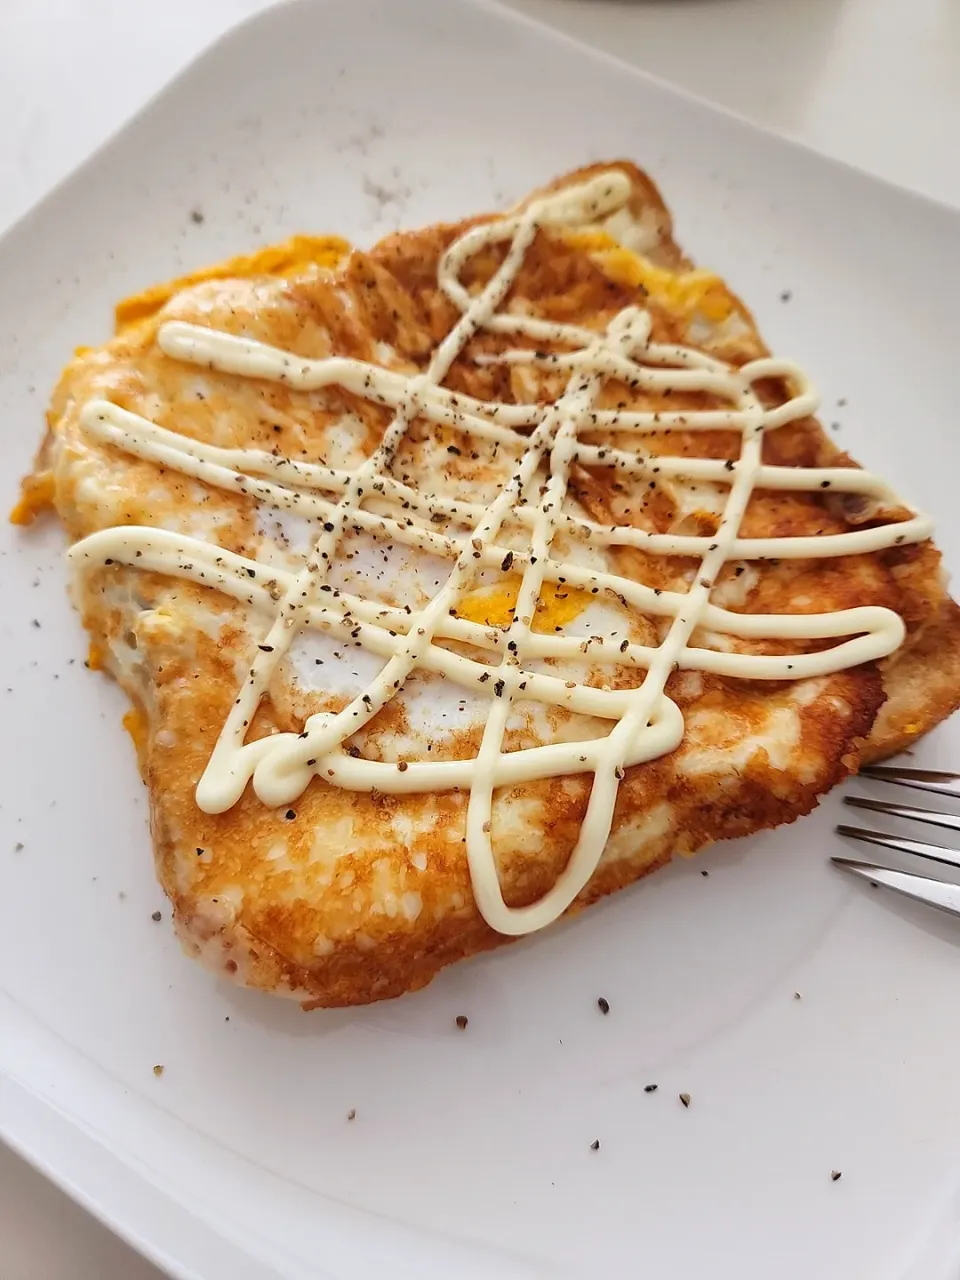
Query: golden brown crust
x,y
353,897
922,687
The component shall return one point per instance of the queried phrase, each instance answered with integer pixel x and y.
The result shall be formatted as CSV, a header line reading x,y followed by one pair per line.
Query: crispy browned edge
x,y
922,688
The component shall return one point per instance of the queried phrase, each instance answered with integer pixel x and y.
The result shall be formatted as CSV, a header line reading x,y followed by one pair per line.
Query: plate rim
x,y
32,1127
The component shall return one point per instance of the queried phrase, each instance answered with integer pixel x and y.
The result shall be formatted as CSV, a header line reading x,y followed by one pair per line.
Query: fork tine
x,y
935,893
940,782
918,848
911,812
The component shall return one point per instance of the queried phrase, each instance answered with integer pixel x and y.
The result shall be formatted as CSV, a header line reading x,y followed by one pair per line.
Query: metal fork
x,y
936,893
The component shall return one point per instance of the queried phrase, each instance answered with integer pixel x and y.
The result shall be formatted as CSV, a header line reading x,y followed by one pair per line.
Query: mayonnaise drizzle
x,y
645,722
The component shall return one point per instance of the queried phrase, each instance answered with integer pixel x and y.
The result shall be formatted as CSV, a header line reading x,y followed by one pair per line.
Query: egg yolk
x,y
96,657
495,606
135,723
686,291
288,258
36,492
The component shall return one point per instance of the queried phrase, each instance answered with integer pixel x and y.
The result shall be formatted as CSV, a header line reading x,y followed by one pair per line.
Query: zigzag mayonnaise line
x,y
646,723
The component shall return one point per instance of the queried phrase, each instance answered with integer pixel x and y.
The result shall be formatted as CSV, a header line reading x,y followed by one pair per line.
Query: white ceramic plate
x,y
470,1154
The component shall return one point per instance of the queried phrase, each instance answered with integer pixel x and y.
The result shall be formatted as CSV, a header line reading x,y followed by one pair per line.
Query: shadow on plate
x,y
935,923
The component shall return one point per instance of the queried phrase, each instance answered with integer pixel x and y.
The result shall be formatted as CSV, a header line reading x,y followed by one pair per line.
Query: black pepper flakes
x,y
685,1099
352,1113
650,1088
157,916
835,1175
603,1004
595,1145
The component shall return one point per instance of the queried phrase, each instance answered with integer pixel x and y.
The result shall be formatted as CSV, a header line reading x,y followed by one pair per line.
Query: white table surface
x,y
873,82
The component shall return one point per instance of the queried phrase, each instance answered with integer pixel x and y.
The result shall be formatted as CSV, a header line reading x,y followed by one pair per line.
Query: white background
x,y
873,82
